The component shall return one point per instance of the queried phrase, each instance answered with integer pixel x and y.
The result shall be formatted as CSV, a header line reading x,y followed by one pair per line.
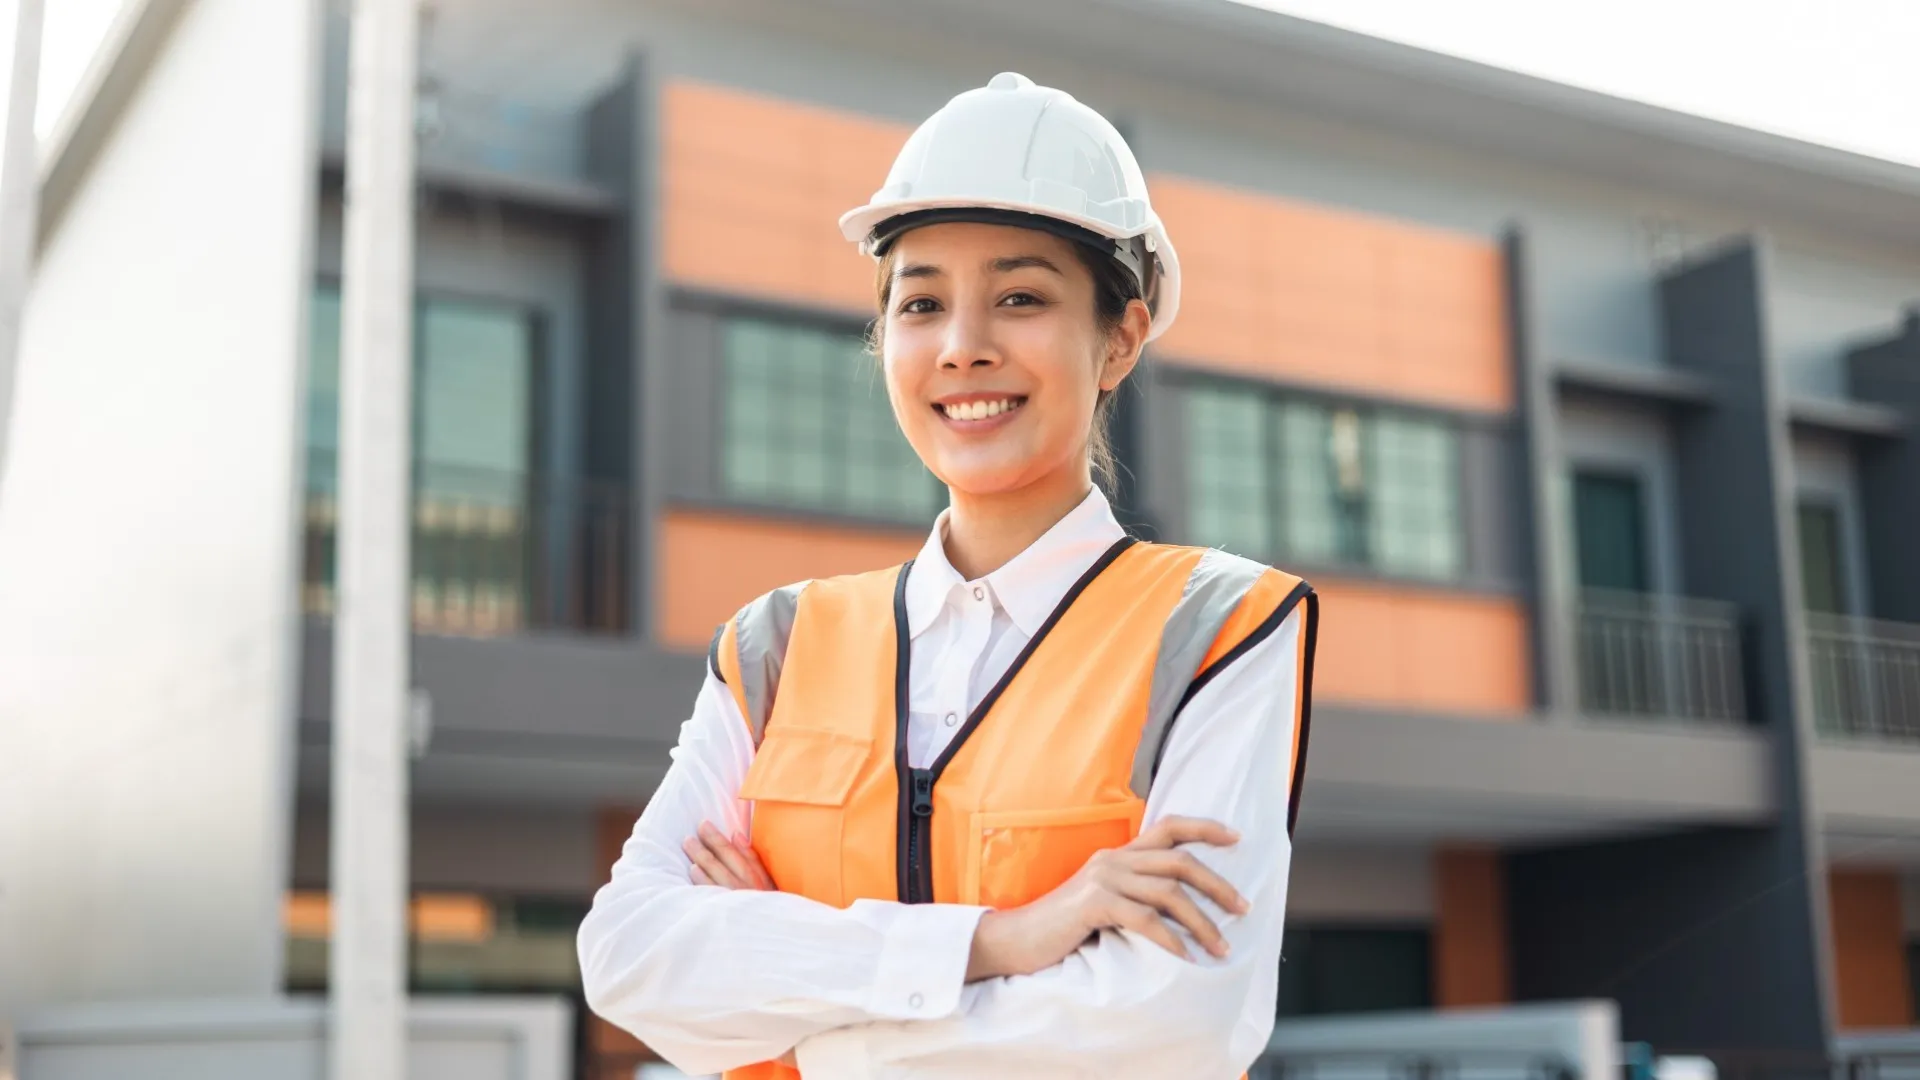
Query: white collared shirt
x,y
713,979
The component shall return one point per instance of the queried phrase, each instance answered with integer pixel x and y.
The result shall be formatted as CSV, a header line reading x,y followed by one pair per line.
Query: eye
x,y
1021,299
919,305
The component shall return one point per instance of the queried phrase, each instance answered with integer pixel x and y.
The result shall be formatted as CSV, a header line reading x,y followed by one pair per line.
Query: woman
x,y
940,819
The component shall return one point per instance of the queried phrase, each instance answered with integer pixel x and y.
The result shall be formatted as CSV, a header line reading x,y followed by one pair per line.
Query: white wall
x,y
147,534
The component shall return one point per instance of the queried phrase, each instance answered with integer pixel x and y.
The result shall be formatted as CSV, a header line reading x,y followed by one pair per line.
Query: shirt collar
x,y
1031,584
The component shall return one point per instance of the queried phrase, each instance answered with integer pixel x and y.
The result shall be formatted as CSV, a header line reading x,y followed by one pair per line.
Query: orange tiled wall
x,y
1470,929
753,187
711,563
753,190
1869,950
1422,649
1281,289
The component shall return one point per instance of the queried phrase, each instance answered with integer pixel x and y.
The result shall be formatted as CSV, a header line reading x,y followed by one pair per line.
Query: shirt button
x,y
916,1001
979,593
952,719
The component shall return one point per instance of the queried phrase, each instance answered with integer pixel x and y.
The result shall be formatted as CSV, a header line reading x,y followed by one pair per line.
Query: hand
x,y
727,862
1139,887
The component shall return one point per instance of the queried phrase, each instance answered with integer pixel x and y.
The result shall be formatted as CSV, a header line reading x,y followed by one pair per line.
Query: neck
x,y
985,532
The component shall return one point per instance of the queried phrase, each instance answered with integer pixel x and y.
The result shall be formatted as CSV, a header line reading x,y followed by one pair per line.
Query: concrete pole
x,y
371,622
19,201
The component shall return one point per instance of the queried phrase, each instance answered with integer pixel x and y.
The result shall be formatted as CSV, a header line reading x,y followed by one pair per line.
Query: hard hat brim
x,y
859,224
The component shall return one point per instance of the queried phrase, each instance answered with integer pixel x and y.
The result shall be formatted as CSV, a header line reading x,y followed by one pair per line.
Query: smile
x,y
980,410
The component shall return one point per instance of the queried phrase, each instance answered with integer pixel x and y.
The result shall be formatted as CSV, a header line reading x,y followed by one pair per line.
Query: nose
x,y
968,343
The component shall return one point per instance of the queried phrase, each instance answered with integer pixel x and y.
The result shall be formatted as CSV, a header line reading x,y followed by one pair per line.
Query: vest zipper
x,y
920,839
914,867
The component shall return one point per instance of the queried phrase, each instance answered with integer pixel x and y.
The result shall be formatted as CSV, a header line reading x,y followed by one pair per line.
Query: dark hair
x,y
1114,289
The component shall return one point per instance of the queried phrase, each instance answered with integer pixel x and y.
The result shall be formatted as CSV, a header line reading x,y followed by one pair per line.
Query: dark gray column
x,y
1543,520
622,321
1714,939
1888,373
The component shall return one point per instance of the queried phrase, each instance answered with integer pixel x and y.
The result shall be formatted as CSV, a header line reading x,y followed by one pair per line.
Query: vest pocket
x,y
798,784
811,766
1015,857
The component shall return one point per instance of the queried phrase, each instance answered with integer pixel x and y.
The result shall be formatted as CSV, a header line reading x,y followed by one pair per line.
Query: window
x,y
1354,969
807,424
473,451
1300,478
1822,561
1610,531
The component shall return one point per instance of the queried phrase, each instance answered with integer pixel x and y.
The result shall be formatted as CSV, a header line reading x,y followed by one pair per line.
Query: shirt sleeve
x,y
713,979
1123,1006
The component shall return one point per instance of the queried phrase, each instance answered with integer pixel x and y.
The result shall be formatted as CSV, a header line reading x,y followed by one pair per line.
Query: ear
x,y
1124,345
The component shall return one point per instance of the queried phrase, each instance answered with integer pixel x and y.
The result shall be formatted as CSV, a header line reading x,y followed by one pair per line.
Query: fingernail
x,y
1233,836
1220,949
1241,905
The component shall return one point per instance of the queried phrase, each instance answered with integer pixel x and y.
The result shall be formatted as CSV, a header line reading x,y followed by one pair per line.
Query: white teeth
x,y
980,410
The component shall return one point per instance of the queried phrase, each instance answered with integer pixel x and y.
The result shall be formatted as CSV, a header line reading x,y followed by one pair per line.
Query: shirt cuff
x,y
920,976
923,961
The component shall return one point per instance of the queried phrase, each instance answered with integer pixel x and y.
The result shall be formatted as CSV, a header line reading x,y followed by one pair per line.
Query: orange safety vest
x,y
1052,766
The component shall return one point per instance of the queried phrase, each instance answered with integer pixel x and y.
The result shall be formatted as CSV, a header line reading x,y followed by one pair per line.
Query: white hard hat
x,y
1015,153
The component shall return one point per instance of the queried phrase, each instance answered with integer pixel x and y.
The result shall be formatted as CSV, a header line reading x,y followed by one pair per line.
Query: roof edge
x,y
119,66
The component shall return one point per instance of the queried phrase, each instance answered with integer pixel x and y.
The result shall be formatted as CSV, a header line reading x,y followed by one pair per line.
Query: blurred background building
x,y
1593,423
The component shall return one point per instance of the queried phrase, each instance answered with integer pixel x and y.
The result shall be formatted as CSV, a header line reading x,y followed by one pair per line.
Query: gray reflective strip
x,y
1215,588
760,635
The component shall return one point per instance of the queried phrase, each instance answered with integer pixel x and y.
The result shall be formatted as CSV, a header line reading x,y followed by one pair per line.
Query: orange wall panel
x,y
1281,289
710,564
1470,966
1404,647
1869,950
752,192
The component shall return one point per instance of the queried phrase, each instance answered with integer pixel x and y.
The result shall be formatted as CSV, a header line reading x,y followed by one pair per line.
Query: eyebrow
x,y
1004,265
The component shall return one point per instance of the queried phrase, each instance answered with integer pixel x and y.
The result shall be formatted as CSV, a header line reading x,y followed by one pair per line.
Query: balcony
x,y
1866,677
495,553
1656,656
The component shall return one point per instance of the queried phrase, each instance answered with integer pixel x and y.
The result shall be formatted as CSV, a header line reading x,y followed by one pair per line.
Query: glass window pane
x,y
808,424
473,400
323,388
1822,569
1227,470
1414,524
1609,532
1310,517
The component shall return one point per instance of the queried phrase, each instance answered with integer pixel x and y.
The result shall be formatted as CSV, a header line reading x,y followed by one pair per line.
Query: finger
x,y
704,858
698,875
1174,831
1183,866
761,879
1171,899
736,861
1145,921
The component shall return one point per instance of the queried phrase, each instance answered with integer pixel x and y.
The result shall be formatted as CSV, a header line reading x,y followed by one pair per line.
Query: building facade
x,y
1597,428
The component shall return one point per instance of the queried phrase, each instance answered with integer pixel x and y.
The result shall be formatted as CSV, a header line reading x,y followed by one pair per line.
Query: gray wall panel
x,y
1888,372
1656,912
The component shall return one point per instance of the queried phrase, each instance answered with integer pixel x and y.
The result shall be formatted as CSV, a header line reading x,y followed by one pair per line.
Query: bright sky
x,y
1840,72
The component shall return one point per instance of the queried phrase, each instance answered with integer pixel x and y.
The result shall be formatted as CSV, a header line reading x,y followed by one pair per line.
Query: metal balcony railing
x,y
1653,655
495,553
1866,676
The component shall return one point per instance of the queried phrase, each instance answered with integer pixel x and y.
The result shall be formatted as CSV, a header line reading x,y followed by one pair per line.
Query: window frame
x,y
1273,396
714,493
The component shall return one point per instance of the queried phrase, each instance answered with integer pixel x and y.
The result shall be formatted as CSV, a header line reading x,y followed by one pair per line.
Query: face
x,y
994,358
